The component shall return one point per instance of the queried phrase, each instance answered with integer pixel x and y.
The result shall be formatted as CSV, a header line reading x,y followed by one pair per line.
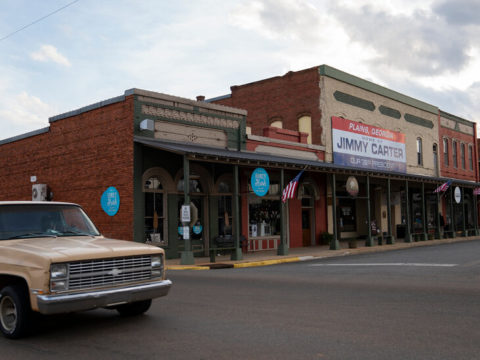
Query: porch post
x,y
334,244
369,241
464,230
186,255
237,253
452,215
408,237
475,212
438,234
283,247
424,218
390,237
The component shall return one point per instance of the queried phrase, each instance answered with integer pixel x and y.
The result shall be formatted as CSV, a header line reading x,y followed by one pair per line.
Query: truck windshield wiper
x,y
76,233
31,235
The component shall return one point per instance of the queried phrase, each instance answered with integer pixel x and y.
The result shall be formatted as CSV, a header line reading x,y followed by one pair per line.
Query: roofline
x,y
218,98
195,103
25,135
456,118
325,70
87,108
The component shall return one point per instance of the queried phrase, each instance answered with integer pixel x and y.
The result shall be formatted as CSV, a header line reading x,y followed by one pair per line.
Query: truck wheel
x,y
14,311
135,308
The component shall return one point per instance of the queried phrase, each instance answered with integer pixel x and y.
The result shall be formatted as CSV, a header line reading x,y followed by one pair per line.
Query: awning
x,y
249,158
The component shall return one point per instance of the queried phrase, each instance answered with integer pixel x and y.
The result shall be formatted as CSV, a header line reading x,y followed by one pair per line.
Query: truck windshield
x,y
19,221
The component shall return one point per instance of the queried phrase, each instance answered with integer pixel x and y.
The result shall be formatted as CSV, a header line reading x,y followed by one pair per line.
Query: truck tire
x,y
15,311
135,308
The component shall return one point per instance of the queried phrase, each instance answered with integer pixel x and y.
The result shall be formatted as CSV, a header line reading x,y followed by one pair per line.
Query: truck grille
x,y
108,272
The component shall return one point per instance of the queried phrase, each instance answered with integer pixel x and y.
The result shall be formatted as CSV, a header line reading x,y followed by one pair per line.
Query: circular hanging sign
x,y
458,195
260,181
110,201
197,229
352,186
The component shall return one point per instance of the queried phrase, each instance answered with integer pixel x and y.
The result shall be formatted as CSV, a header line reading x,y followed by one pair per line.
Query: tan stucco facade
x,y
330,106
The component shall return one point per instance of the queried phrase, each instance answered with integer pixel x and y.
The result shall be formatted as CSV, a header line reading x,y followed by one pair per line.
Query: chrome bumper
x,y
64,303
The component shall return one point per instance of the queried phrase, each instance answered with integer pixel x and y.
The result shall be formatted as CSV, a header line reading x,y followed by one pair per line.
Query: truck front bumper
x,y
64,303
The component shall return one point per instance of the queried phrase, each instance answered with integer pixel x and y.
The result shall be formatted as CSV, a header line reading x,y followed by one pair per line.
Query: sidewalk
x,y
270,257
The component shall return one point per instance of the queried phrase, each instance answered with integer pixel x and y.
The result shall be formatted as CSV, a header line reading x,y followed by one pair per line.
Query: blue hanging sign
x,y
260,181
197,229
110,201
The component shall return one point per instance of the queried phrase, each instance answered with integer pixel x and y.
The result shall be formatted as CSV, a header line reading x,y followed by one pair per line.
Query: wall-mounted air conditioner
x,y
39,192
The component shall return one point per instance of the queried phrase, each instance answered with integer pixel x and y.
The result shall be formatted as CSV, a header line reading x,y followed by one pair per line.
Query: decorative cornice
x,y
188,117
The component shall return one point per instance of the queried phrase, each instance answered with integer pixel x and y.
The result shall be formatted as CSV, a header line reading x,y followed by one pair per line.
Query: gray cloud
x,y
459,12
422,44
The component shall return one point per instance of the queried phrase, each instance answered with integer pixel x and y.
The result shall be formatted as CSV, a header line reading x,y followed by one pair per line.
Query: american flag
x,y
289,191
443,187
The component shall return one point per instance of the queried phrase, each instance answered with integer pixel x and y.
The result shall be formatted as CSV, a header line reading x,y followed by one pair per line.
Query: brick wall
x,y
285,98
79,158
457,172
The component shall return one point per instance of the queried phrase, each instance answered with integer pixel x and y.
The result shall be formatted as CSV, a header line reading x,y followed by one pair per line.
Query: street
x,y
418,303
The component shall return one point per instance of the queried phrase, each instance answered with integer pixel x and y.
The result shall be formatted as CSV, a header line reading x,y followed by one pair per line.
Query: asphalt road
x,y
418,303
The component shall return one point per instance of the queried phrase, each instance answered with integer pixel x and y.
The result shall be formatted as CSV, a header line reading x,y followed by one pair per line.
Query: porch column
x,y
186,255
237,253
390,237
475,212
464,230
424,218
334,244
283,247
408,237
369,241
438,234
452,215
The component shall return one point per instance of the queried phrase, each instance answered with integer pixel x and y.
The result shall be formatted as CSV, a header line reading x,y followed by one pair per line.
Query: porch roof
x,y
248,158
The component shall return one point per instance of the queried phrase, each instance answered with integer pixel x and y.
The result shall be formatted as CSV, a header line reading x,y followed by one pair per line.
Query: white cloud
x,y
50,53
23,113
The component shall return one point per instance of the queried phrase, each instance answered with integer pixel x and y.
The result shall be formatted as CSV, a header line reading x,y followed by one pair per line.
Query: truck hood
x,y
63,249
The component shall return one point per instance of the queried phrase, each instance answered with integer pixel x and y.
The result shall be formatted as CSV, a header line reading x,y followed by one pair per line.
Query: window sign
x,y
197,229
260,182
369,147
458,195
110,201
186,233
185,216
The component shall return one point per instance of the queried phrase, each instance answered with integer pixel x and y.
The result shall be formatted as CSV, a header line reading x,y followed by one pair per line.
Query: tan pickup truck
x,y
53,260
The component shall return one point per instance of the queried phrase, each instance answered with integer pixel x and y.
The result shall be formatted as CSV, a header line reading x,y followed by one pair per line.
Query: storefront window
x,y
224,209
347,213
154,212
264,212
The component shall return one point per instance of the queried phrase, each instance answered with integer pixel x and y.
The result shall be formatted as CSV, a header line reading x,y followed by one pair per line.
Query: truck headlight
x,y
58,271
157,265
58,277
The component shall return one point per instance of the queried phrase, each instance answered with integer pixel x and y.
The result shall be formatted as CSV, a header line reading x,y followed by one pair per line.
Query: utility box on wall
x,y
39,192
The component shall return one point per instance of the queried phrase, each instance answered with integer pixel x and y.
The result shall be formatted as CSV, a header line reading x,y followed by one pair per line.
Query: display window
x,y
155,221
264,212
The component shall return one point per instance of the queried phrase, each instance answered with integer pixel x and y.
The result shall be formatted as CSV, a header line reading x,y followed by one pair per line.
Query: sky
x,y
60,55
